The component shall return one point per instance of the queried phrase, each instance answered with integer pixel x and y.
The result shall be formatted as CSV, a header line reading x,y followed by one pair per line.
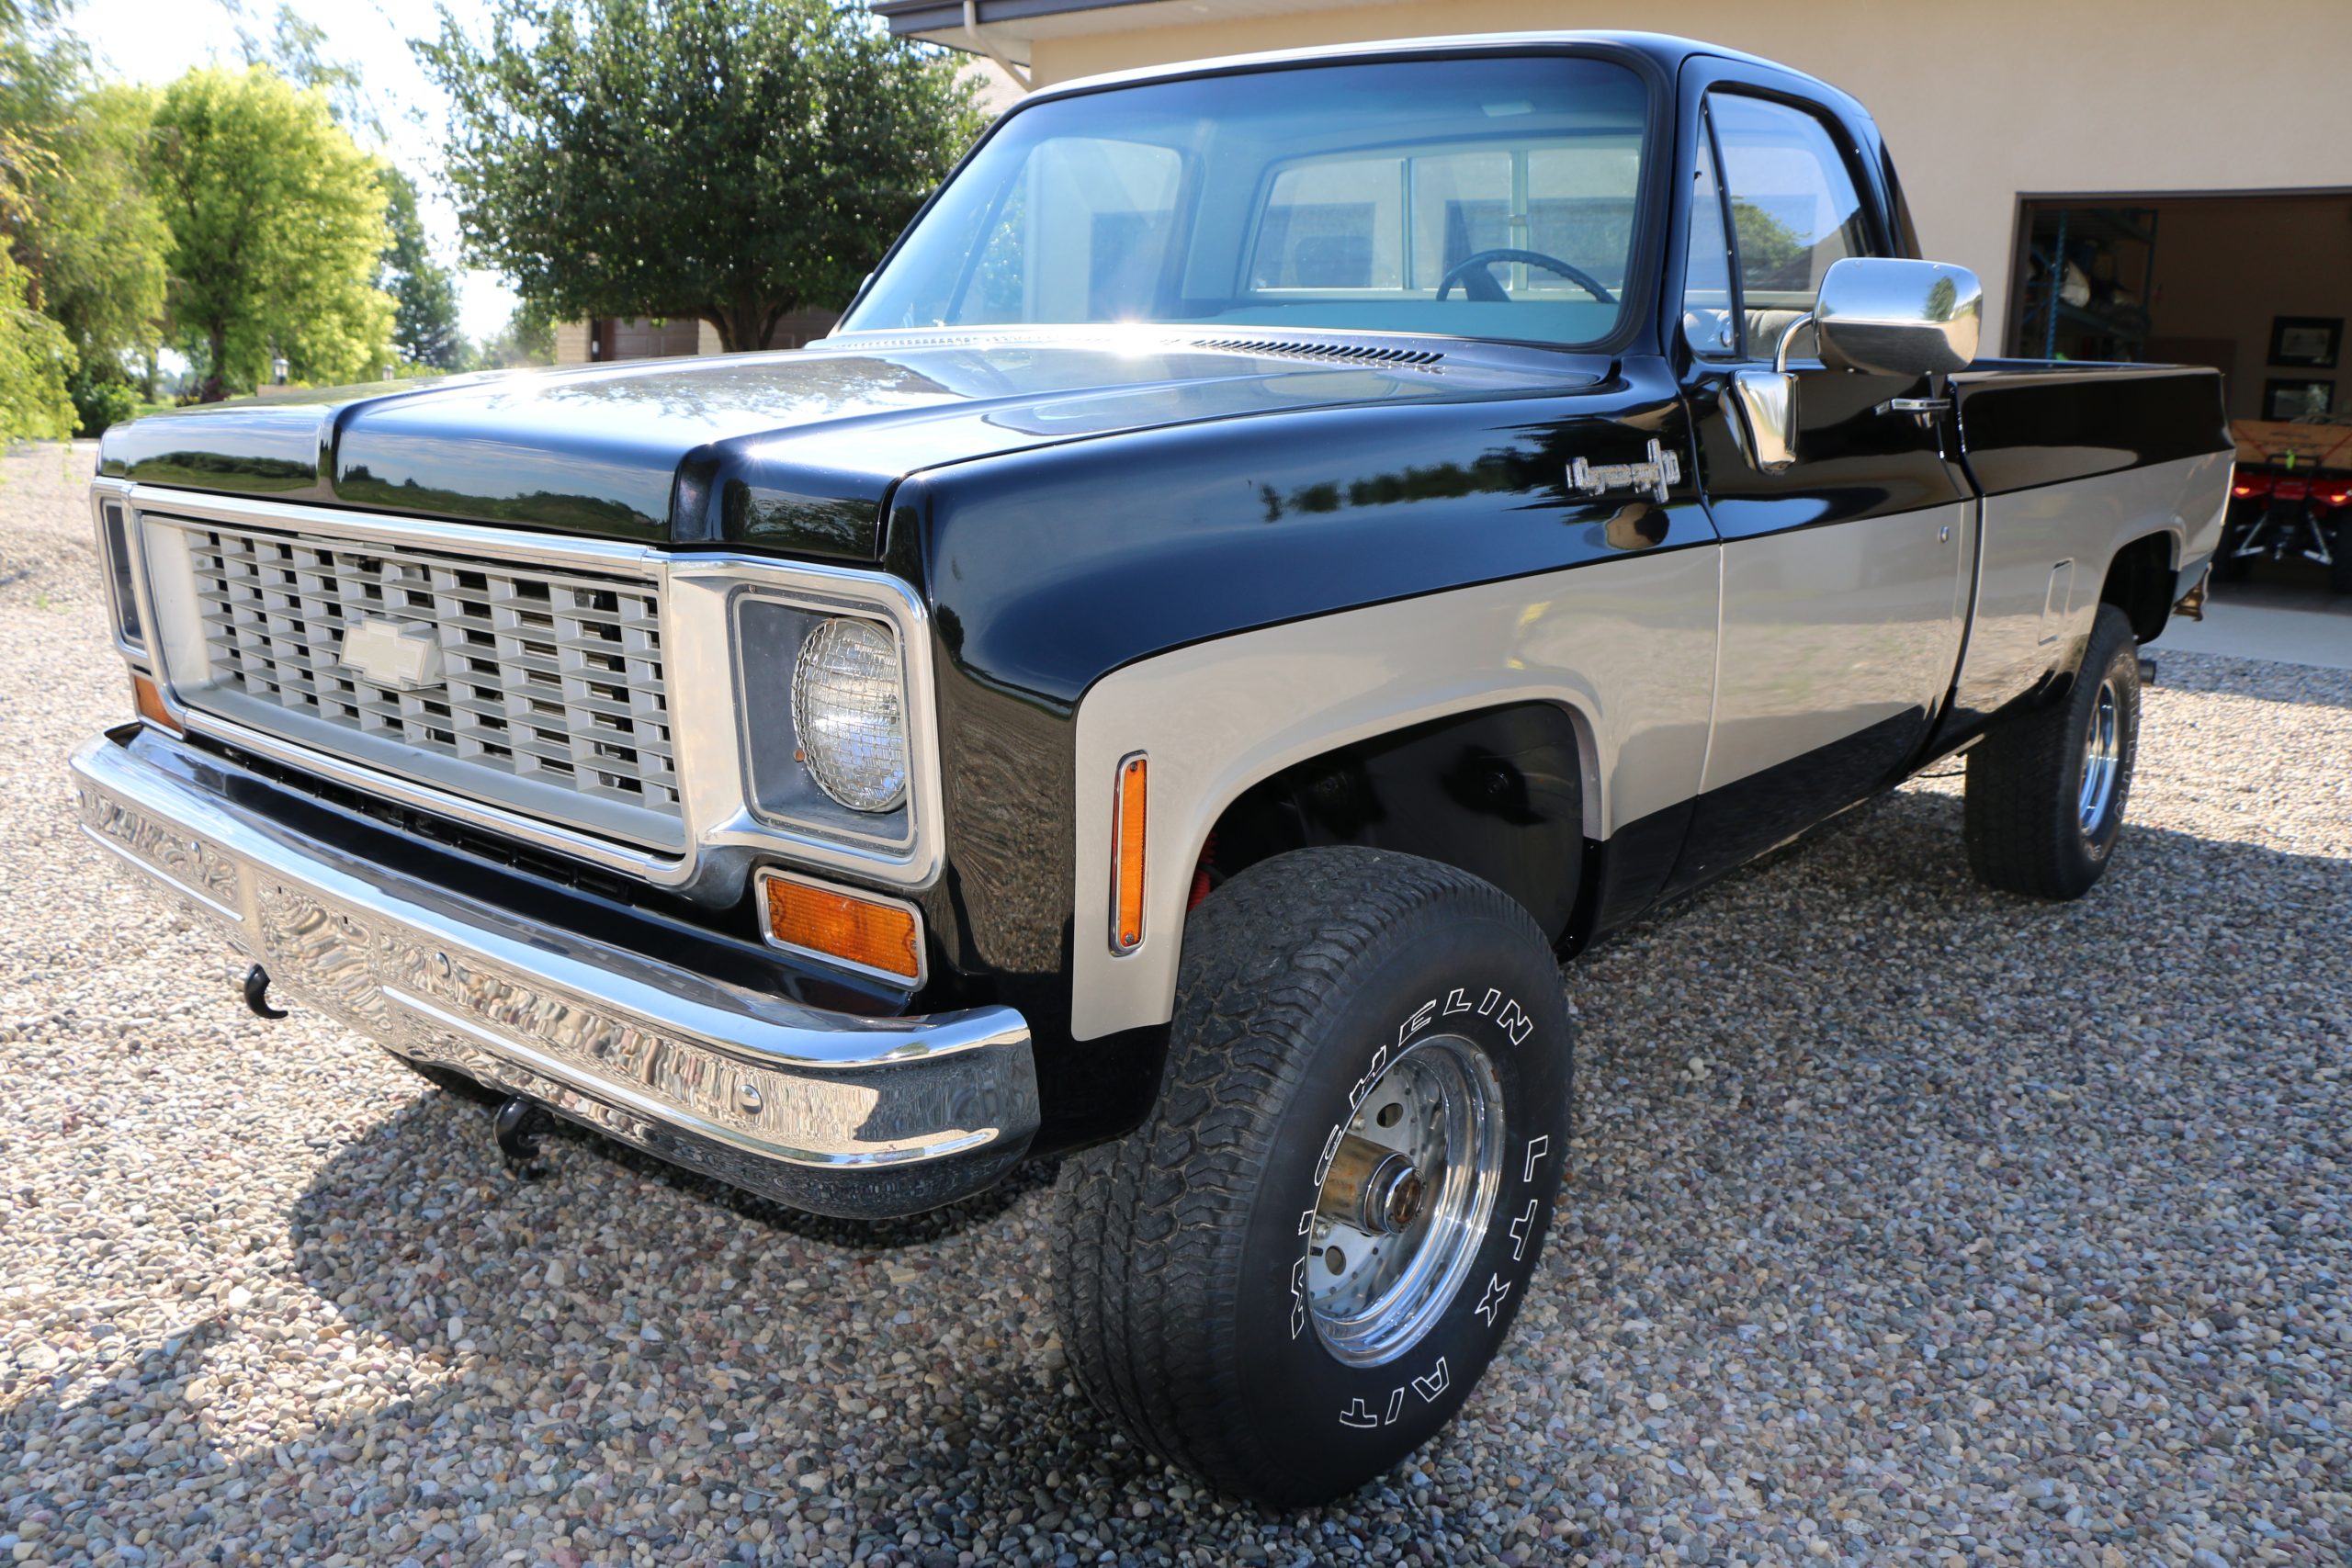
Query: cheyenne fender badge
x,y
1654,478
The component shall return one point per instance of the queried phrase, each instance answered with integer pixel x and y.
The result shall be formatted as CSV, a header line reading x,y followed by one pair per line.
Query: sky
x,y
155,40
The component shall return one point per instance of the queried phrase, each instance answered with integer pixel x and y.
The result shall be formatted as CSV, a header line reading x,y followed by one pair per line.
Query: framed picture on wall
x,y
2313,341
2296,400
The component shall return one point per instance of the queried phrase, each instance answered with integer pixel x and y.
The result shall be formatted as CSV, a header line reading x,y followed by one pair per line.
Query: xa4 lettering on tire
x,y
1520,1228
1360,1416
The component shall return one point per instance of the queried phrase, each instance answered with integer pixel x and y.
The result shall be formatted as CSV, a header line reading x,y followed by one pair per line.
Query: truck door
x,y
1844,575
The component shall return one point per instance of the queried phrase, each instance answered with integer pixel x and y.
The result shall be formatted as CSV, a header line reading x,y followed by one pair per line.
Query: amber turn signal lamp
x,y
149,704
874,936
1126,856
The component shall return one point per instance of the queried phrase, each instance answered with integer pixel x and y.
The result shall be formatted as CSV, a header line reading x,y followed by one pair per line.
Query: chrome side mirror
x,y
1880,315
1892,317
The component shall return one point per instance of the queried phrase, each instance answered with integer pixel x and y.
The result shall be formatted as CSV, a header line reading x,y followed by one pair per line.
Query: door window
x,y
1794,211
1710,310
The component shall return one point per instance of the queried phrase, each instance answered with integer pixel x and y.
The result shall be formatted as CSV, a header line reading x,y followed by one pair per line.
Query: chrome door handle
x,y
1924,407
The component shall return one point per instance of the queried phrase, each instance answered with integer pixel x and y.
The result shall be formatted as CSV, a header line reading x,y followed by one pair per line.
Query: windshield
x,y
1483,197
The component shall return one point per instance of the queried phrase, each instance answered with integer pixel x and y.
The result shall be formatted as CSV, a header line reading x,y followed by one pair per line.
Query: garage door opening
x,y
2256,284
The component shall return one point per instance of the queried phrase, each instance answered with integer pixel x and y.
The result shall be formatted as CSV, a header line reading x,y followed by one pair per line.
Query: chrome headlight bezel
x,y
770,627
118,571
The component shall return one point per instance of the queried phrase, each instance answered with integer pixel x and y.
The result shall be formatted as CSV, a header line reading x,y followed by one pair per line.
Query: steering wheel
x,y
1479,284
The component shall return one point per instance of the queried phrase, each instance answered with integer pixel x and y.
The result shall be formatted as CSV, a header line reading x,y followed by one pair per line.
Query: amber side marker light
x,y
1127,855
149,704
875,936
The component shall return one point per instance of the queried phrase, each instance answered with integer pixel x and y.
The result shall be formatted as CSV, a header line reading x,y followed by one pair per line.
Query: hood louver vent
x,y
1330,353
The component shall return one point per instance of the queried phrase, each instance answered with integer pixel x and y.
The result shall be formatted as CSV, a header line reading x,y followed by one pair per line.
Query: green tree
x,y
277,221
42,65
424,293
725,159
1771,254
296,50
36,358
528,338
95,239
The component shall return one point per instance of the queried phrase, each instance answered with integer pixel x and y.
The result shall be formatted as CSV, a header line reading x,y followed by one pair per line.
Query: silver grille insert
x,y
548,693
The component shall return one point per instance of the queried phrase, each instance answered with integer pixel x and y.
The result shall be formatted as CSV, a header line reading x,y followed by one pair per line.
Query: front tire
x,y
1357,1034
2047,788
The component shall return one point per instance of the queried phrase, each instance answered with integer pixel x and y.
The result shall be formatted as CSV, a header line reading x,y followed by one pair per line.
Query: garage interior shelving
x,y
2115,247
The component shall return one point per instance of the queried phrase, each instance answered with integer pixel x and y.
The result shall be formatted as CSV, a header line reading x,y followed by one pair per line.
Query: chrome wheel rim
x,y
1374,1292
2102,759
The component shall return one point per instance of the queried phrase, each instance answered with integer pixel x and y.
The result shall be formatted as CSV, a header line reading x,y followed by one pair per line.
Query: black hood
x,y
793,451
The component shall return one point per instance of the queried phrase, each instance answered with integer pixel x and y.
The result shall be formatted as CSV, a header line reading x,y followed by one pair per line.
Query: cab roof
x,y
1665,51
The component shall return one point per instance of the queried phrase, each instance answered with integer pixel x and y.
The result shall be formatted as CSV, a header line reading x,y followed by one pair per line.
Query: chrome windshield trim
x,y
724,839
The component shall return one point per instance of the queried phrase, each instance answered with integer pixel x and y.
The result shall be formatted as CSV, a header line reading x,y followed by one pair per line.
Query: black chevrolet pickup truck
x,y
1282,552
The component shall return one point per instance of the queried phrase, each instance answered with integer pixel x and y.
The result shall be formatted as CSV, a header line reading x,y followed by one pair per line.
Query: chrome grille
x,y
549,695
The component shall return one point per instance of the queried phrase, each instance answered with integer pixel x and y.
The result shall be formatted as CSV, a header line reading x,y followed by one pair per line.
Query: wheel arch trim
x,y
1626,647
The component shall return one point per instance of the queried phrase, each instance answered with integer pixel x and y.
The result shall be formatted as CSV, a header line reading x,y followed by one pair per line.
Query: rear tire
x,y
1330,1002
2047,788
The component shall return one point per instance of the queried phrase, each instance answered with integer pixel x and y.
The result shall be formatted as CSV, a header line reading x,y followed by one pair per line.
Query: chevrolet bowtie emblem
x,y
402,657
1655,476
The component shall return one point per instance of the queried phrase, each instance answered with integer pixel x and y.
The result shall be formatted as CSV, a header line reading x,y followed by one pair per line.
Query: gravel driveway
x,y
1910,1224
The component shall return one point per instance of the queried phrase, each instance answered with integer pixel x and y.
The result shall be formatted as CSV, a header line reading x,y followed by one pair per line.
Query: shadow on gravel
x,y
1852,1018
568,1141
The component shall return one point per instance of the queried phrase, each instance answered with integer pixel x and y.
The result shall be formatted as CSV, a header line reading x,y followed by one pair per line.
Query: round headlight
x,y
851,719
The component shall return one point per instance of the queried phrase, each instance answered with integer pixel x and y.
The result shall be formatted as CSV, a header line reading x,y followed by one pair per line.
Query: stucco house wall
x,y
1981,100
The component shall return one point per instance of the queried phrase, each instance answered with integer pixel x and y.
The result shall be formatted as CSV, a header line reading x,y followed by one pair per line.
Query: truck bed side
x,y
2076,465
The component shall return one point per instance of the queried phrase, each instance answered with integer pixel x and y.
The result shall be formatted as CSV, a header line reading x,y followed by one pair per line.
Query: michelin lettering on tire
x,y
1290,1305
1372,1413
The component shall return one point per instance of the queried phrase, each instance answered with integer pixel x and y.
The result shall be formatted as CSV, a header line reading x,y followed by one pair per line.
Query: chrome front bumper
x,y
839,1114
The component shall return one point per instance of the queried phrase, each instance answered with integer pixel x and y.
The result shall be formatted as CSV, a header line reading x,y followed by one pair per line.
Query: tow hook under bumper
x,y
518,1125
840,1114
257,993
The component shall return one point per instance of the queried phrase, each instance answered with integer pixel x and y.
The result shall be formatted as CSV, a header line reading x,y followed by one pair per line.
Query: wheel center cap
x,y
1373,1187
1401,1205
